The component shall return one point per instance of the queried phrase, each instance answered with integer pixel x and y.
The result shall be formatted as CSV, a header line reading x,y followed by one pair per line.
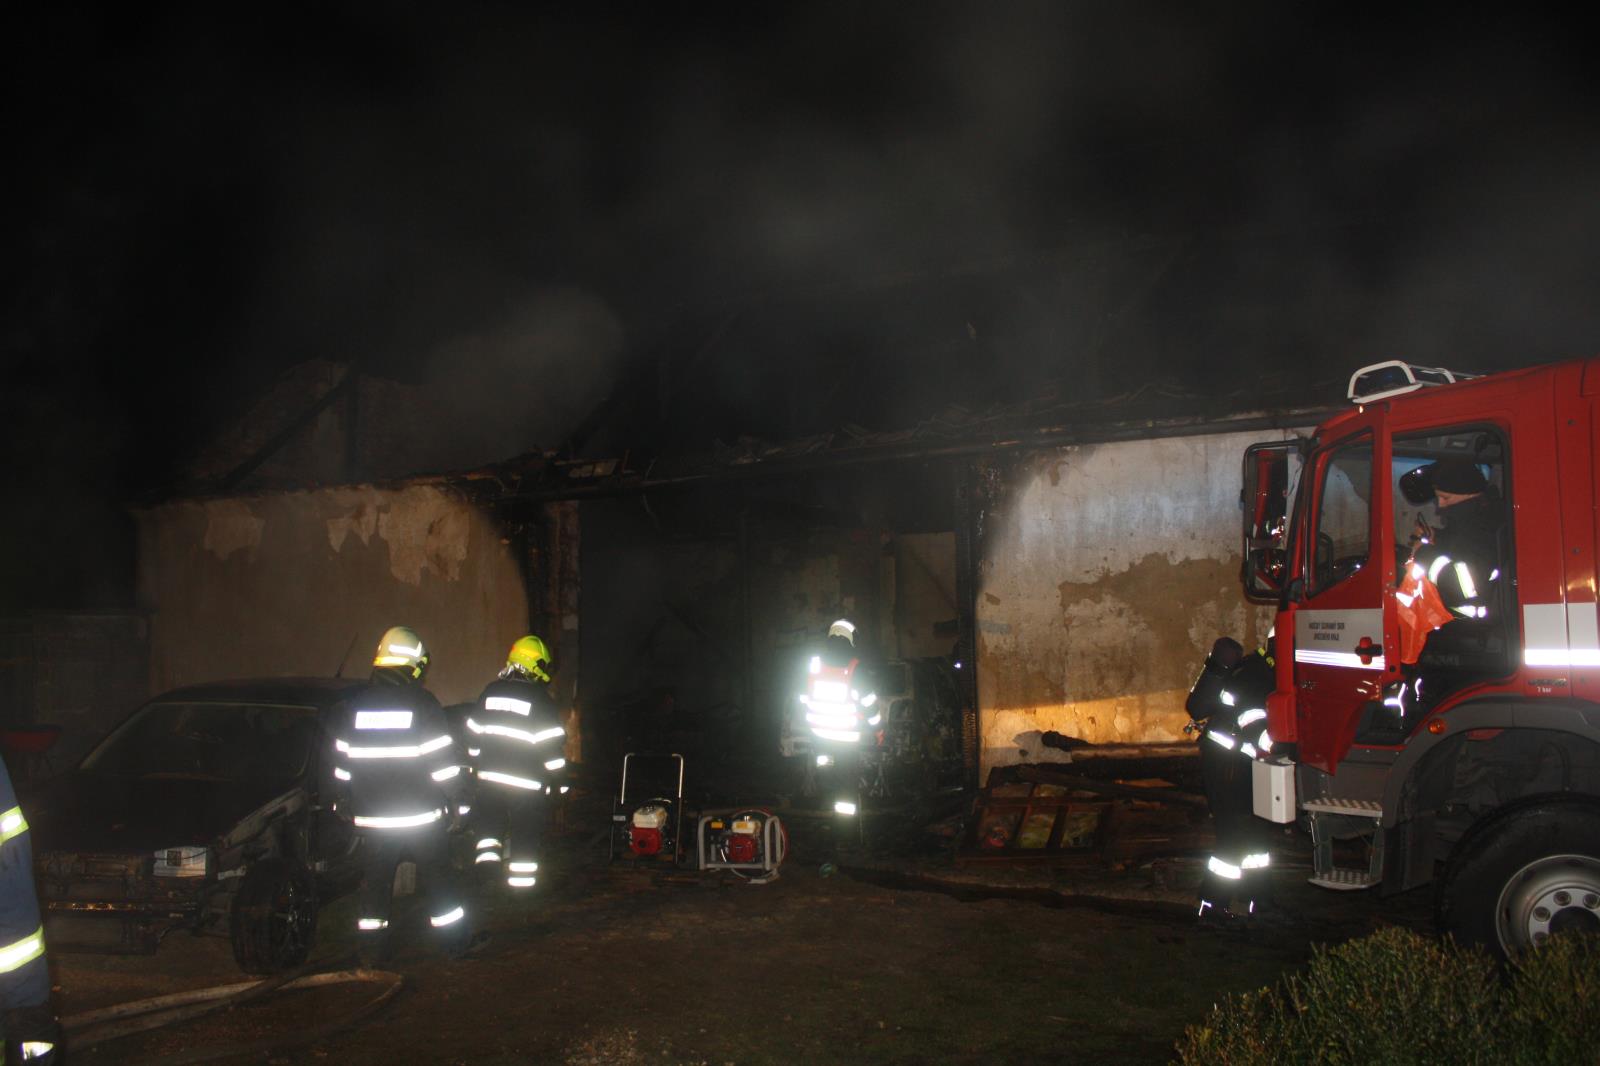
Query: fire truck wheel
x,y
1532,873
274,917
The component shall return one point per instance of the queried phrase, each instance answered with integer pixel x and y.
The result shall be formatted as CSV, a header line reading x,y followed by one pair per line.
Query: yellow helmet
x,y
401,650
529,656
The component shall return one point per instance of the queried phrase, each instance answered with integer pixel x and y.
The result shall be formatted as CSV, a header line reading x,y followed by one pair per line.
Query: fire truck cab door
x,y
1346,567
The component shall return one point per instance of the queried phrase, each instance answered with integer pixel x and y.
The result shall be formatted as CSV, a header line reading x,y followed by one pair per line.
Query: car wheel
x,y
1530,874
274,917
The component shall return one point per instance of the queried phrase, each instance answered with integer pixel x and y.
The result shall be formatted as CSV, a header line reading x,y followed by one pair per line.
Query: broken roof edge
x,y
824,452
541,477
467,482
334,380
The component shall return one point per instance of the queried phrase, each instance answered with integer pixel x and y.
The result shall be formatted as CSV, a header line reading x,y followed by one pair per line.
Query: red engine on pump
x,y
751,843
743,842
649,830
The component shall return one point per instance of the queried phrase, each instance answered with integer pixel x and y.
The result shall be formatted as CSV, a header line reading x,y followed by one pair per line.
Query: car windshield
x,y
215,741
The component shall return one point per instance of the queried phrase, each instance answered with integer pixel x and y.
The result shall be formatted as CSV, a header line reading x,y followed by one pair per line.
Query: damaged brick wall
x,y
1106,572
292,583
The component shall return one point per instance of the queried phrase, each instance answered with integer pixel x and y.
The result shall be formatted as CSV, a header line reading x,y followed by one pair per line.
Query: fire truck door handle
x,y
1366,651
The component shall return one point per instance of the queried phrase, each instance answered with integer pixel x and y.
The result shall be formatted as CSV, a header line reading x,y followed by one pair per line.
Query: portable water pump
x,y
647,822
751,842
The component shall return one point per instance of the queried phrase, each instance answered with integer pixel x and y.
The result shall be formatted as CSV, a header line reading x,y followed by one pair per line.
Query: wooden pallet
x,y
1037,823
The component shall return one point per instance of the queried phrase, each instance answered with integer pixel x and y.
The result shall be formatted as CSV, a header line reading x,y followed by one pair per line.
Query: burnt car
x,y
208,809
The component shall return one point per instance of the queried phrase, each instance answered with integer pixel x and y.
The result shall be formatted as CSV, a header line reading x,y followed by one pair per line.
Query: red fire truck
x,y
1461,747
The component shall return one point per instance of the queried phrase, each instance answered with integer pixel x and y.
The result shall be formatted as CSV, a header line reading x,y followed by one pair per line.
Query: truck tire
x,y
274,917
1530,873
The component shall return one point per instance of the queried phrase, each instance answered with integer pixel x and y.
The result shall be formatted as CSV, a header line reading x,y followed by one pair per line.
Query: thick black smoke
x,y
789,219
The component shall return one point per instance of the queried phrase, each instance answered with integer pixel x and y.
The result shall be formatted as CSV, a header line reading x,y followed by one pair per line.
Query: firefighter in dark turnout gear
x,y
1457,618
401,777
517,742
1461,557
1228,706
28,1030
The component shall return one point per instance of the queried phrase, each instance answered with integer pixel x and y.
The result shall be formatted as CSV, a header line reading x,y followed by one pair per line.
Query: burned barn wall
x,y
549,539
661,644
801,584
924,595
305,582
695,632
690,638
1106,573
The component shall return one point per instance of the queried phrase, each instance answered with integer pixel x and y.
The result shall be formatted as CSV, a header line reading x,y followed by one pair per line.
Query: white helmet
x,y
843,628
401,651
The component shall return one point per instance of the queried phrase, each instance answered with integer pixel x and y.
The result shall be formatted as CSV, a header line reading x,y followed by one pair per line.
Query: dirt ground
x,y
888,959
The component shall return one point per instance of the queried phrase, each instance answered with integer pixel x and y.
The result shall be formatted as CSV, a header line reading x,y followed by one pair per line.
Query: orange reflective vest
x,y
1421,610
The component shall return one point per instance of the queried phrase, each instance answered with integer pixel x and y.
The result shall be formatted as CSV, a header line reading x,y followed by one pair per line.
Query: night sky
x,y
905,204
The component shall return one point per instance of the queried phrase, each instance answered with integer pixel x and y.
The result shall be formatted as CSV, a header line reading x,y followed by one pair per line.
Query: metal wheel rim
x,y
1541,894
289,922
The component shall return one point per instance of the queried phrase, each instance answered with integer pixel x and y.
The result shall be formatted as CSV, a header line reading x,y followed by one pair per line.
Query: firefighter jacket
x,y
395,760
840,701
24,980
517,736
1463,560
1236,707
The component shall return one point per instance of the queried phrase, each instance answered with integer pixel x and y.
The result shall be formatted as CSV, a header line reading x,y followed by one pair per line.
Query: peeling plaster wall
x,y
1107,572
281,584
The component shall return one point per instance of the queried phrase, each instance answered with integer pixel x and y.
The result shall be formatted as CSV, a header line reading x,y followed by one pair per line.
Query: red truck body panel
x,y
1546,416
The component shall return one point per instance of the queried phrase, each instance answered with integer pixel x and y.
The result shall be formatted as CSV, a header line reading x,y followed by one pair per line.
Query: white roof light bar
x,y
1394,377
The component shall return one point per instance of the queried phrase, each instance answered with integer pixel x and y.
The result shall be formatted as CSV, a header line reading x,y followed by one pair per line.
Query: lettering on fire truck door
x,y
1339,621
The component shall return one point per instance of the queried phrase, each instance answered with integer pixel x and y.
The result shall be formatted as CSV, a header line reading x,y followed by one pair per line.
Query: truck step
x,y
1338,805
1344,880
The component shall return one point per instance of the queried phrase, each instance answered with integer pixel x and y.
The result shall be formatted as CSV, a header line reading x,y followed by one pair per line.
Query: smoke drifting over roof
x,y
930,203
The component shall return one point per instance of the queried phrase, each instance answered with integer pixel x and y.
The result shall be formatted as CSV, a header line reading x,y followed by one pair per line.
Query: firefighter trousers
x,y
1236,877
438,885
839,780
508,827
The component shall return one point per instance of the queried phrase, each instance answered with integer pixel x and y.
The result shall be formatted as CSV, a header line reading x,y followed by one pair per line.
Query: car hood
x,y
88,812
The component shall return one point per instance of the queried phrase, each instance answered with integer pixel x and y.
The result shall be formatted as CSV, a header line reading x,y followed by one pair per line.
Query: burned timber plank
x,y
1041,775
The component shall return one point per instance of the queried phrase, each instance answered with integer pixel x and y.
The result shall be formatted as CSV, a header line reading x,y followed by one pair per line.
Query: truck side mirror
x,y
1270,472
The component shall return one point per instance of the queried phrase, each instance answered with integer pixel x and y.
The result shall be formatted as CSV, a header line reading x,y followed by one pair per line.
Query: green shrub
x,y
1396,997
1551,1008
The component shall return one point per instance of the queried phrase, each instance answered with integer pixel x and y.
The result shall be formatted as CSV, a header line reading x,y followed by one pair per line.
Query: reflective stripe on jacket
x,y
396,761
517,732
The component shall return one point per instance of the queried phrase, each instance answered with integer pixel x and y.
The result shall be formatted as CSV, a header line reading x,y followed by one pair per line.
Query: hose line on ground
x,y
88,1028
